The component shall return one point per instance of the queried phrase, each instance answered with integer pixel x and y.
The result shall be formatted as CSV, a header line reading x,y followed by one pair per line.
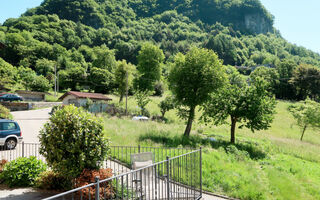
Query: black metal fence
x,y
176,173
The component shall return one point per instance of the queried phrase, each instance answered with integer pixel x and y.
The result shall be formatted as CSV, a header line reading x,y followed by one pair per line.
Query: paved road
x,y
31,122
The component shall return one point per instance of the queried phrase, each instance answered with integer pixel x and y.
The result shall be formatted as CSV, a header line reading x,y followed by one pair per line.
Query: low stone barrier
x,y
20,106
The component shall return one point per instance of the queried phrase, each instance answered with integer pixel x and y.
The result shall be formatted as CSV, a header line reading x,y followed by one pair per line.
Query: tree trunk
x,y
233,129
121,98
190,120
303,131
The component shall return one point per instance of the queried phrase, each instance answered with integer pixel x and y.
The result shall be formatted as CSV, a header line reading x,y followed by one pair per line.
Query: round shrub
x,y
5,113
73,140
22,172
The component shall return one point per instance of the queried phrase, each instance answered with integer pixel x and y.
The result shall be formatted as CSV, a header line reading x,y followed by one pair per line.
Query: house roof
x,y
96,96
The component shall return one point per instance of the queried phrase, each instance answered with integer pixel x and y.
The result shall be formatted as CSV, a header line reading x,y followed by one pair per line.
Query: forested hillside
x,y
85,39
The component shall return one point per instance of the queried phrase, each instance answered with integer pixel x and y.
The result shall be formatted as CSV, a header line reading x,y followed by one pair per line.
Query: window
x,y
8,126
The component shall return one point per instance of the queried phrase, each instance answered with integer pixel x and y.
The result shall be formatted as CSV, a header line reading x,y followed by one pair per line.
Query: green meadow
x,y
270,164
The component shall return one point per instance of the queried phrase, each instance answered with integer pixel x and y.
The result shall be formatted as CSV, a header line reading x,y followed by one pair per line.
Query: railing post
x,y
97,181
139,147
23,149
201,172
168,178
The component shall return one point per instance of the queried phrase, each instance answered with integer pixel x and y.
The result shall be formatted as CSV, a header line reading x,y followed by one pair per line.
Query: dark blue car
x,y
10,134
10,97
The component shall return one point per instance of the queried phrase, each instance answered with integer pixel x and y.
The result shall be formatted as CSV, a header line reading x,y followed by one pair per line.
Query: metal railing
x,y
21,150
175,174
174,178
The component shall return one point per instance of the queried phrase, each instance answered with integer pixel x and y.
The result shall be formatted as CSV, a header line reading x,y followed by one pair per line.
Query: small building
x,y
80,99
32,96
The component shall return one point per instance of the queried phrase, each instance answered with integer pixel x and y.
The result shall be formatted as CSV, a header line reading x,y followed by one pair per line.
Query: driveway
x,y
31,122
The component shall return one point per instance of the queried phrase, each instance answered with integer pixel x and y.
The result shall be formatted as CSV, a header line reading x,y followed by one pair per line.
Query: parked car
x,y
140,118
10,97
10,134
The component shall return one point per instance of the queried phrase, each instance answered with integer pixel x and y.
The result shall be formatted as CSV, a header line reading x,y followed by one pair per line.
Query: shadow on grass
x,y
254,150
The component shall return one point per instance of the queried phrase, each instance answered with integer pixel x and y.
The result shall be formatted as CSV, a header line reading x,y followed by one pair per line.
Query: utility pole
x,y
55,80
58,82
127,92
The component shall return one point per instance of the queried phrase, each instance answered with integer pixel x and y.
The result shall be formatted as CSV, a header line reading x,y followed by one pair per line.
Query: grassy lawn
x,y
272,164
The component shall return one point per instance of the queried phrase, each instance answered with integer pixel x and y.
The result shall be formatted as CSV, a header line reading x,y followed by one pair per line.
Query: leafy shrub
x,y
50,180
88,176
166,105
143,99
73,140
22,172
5,113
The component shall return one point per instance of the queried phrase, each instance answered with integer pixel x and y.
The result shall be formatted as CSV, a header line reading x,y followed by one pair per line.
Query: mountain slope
x,y
71,34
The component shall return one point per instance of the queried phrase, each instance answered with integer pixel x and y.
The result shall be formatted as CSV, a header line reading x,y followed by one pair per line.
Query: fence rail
x,y
175,174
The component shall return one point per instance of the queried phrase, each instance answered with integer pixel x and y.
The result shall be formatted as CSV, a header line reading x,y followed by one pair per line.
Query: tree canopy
x,y
252,106
193,77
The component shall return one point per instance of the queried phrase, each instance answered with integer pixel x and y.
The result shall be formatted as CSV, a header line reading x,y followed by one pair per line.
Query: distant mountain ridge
x,y
245,15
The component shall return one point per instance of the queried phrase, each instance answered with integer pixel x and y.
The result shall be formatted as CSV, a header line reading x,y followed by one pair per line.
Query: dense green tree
x,y
8,73
150,59
252,105
39,84
307,115
306,80
124,76
193,77
270,75
285,90
101,80
72,78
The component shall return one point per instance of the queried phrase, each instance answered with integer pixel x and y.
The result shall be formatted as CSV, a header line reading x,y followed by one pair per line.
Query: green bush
x,y
73,140
22,172
50,180
5,113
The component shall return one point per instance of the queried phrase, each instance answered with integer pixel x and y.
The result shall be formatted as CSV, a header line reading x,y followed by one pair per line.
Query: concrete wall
x,y
32,97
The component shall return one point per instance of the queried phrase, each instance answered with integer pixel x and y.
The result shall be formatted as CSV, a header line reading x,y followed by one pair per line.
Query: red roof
x,y
96,96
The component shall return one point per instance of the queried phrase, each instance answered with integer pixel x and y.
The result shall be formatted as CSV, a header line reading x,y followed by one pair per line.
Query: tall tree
x,y
124,75
193,77
285,70
251,105
150,59
306,80
307,115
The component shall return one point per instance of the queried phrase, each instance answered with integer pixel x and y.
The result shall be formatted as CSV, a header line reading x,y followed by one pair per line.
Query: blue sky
x,y
297,20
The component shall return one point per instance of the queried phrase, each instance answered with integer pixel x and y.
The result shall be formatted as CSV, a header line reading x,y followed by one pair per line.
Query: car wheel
x,y
11,144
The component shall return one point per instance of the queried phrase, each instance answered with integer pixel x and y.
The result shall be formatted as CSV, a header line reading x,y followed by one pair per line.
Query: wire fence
x,y
175,173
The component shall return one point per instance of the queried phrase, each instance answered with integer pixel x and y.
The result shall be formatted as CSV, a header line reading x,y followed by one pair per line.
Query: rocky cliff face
x,y
256,23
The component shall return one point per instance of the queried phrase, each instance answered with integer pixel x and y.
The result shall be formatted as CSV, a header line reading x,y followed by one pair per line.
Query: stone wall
x,y
16,106
13,106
